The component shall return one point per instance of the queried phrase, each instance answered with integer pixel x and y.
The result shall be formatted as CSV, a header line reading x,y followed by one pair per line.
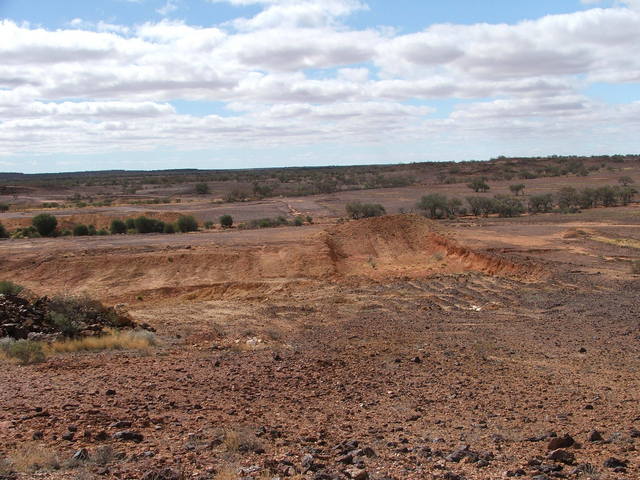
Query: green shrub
x,y
26,232
3,231
357,210
45,224
69,327
148,225
26,352
202,188
80,230
506,206
568,199
542,203
118,227
298,221
92,230
226,221
130,223
4,207
208,224
169,228
102,232
10,288
434,205
186,223
481,206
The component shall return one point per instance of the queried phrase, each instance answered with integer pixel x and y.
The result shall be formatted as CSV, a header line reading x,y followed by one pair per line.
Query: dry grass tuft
x,y
136,340
241,440
32,457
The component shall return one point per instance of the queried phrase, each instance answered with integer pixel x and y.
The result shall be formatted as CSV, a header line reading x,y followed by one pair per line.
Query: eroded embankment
x,y
403,246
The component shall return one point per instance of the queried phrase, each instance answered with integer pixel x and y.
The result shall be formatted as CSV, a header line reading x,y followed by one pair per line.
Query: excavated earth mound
x,y
379,249
409,246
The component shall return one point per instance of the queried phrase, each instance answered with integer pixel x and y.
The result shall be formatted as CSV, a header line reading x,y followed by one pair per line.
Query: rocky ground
x,y
450,376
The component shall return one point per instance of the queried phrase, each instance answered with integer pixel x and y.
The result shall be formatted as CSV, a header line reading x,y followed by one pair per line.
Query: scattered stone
x,y
516,473
594,436
357,473
121,424
562,456
68,436
634,433
613,462
128,436
164,474
110,392
565,441
582,350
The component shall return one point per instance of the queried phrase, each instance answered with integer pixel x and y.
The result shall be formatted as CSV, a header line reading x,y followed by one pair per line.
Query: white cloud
x,y
295,75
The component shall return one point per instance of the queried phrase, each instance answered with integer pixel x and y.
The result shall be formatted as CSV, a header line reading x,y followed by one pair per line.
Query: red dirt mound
x,y
407,245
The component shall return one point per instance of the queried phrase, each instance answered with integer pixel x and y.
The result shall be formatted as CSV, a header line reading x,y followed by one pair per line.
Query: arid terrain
x,y
394,347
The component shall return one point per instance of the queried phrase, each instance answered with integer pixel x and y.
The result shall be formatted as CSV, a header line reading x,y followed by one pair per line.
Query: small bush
x,y
506,206
10,288
102,232
169,228
3,231
32,457
130,223
69,327
4,207
80,230
357,210
148,225
202,188
186,223
208,224
541,203
118,227
45,224
226,221
298,221
132,340
25,352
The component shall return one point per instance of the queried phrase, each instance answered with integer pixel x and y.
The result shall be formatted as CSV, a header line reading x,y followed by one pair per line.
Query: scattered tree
x,y
625,181
517,189
542,203
479,185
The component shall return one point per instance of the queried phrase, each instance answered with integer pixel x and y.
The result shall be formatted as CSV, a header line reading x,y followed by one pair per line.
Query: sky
x,y
154,84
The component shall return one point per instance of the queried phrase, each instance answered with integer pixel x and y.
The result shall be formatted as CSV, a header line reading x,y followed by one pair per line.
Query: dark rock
x,y
110,392
101,436
594,436
582,350
634,433
516,473
165,474
346,459
417,360
565,441
613,462
121,424
37,435
128,436
562,456
357,473
68,436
